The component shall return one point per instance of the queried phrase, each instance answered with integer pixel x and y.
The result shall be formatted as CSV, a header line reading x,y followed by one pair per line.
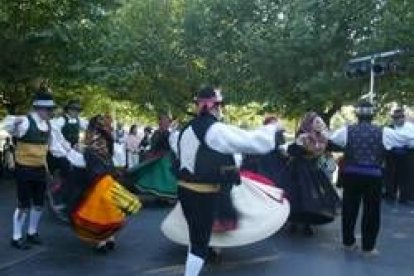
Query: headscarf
x,y
313,141
99,136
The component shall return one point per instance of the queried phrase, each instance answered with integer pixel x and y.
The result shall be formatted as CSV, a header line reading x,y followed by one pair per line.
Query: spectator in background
x,y
159,140
145,143
132,147
8,156
120,135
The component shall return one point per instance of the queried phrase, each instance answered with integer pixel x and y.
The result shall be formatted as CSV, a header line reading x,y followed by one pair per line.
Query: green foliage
x,y
42,39
97,100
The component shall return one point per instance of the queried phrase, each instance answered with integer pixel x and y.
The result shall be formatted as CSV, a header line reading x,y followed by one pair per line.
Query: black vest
x,y
71,131
364,145
34,135
210,166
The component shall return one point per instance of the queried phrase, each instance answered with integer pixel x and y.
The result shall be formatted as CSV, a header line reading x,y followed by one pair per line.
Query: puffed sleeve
x,y
228,139
16,126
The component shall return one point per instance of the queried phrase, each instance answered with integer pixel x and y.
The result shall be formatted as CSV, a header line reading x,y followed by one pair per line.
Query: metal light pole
x,y
372,58
371,94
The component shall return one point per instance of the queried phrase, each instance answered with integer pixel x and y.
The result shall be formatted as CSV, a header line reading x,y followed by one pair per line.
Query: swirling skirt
x,y
262,210
311,194
103,210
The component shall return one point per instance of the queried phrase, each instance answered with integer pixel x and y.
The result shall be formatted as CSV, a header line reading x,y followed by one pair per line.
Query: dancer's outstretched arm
x,y
228,139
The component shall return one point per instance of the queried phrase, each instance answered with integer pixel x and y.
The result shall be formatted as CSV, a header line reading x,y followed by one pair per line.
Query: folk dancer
x,y
32,133
364,144
205,149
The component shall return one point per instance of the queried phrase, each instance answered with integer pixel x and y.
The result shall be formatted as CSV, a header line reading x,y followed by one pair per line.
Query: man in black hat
x,y
364,154
205,149
69,125
32,133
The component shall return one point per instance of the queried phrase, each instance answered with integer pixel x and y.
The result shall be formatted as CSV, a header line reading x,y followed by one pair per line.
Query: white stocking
x,y
193,265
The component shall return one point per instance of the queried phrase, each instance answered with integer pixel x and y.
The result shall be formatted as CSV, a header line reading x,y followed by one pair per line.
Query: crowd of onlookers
x,y
136,142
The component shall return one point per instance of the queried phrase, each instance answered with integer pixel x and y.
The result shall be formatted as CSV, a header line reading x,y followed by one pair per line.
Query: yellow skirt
x,y
103,210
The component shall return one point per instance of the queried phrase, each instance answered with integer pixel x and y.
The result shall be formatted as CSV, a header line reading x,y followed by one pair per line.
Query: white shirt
x,y
228,139
225,139
18,126
173,140
58,141
390,138
59,122
59,147
407,132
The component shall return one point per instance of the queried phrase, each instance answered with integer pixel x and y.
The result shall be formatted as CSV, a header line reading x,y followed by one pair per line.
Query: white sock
x,y
35,215
193,265
19,218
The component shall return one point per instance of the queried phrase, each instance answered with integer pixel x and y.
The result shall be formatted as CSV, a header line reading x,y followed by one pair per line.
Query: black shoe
x,y
34,239
110,245
308,231
20,244
101,249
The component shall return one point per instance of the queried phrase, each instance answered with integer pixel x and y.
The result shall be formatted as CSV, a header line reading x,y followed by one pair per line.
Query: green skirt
x,y
155,177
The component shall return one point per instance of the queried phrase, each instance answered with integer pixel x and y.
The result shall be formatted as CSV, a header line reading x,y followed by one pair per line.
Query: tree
x,y
394,31
303,58
285,55
41,39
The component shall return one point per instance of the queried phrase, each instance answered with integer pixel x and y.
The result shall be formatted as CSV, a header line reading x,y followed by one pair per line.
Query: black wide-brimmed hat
x,y
209,94
73,105
365,108
43,99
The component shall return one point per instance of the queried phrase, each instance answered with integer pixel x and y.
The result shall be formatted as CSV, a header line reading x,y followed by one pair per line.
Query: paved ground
x,y
142,250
